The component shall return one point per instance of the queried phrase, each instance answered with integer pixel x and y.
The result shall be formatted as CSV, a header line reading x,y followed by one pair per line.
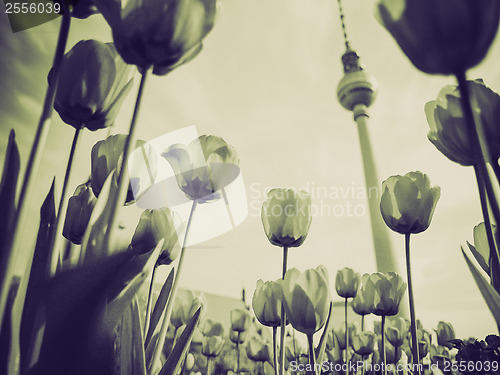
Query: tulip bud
x,y
189,364
359,305
448,128
306,298
237,337
92,84
186,304
363,343
240,320
107,155
160,34
258,350
352,329
212,328
80,207
154,226
286,216
383,292
347,282
408,202
396,331
212,346
445,333
266,303
203,167
445,37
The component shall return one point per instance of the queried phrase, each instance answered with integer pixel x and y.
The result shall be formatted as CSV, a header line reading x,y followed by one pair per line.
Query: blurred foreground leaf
x,y
39,271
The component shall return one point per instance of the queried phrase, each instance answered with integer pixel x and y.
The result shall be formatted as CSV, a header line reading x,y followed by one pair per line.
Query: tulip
x,y
80,207
207,165
240,320
266,302
443,37
396,331
212,328
448,127
347,282
189,364
212,345
408,202
186,304
352,329
258,350
237,337
445,333
306,298
160,34
92,84
107,155
383,292
363,343
83,9
359,305
155,225
286,216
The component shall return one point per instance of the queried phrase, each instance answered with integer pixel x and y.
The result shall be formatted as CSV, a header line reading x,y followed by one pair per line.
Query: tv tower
x,y
356,91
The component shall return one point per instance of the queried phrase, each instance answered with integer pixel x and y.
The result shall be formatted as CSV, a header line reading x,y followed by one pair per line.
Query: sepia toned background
x,y
266,82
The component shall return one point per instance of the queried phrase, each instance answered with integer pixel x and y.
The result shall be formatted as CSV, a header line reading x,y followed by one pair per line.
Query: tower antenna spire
x,y
342,23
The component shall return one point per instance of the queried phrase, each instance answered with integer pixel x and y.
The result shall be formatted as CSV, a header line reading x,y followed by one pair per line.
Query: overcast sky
x,y
266,82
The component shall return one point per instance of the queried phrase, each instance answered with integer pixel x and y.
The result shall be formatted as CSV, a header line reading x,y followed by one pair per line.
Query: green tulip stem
x,y
362,323
494,255
275,348
363,359
283,316
312,357
384,359
61,210
414,342
476,134
150,299
210,365
238,354
122,178
29,185
346,337
170,302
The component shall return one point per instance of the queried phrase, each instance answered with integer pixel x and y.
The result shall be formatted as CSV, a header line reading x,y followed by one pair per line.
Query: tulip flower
x,y
212,345
186,304
442,37
445,333
363,343
383,292
266,303
347,282
306,298
155,225
80,207
240,320
207,165
359,306
212,328
93,82
258,350
107,155
163,35
396,331
448,127
237,337
286,216
352,329
83,9
408,202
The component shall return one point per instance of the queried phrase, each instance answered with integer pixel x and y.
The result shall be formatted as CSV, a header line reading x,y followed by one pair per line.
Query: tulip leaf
x,y
481,260
181,347
6,333
159,306
320,350
129,342
74,300
490,295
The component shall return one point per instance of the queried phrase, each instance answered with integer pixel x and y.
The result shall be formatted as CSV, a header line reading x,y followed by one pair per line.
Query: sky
x,y
266,83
